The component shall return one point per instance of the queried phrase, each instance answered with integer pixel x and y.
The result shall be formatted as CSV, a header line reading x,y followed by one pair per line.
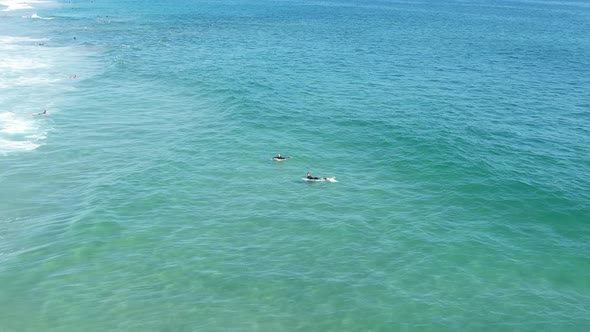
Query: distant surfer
x,y
279,157
309,177
42,113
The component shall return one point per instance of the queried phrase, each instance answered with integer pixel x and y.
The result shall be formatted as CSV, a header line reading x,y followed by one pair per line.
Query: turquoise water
x,y
146,199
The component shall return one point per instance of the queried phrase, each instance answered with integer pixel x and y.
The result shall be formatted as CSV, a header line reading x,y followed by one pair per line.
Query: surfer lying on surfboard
x,y
278,157
308,177
311,177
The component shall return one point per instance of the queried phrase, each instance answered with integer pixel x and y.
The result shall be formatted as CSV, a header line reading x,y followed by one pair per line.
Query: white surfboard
x,y
280,159
328,179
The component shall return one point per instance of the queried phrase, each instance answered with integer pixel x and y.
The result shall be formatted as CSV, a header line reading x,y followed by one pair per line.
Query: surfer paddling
x,y
309,177
278,157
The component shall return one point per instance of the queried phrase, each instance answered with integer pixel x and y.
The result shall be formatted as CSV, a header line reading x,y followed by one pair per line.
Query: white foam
x,y
12,5
34,77
19,132
14,146
13,40
30,81
22,64
39,17
15,55
11,123
36,137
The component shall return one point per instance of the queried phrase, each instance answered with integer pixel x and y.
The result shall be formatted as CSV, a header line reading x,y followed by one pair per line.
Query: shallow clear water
x,y
146,199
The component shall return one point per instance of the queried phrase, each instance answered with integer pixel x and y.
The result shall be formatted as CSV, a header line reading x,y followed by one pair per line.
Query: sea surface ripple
x,y
146,199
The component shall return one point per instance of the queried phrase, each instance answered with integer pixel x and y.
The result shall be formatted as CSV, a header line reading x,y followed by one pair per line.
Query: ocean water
x,y
146,198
